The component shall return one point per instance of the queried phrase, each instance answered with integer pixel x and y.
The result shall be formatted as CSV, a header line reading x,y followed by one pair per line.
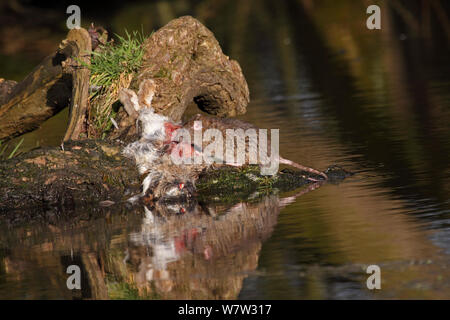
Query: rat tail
x,y
303,168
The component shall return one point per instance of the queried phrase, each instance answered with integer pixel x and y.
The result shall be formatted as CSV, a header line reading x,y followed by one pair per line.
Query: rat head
x,y
177,190
165,181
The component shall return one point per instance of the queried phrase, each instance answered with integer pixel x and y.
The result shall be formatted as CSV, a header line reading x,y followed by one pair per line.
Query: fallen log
x,y
46,90
84,172
90,172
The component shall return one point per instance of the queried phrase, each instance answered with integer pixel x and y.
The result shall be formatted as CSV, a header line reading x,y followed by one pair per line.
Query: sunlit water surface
x,y
372,105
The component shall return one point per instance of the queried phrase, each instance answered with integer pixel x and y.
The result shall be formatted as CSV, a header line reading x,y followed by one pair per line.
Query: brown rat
x,y
223,124
159,139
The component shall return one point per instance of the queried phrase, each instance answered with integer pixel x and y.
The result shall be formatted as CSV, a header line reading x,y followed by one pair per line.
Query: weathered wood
x,y
187,64
44,92
84,172
80,91
6,87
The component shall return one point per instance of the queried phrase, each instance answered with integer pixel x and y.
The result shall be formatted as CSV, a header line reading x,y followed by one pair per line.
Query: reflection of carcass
x,y
204,252
178,250
165,248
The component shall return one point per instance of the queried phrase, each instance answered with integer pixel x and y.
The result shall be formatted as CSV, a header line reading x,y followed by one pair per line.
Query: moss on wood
x,y
229,184
84,172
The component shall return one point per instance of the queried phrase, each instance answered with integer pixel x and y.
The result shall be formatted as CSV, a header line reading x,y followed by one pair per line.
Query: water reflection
x,y
168,251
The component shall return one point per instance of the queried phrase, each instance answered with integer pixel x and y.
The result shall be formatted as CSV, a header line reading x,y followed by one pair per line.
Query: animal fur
x,y
163,178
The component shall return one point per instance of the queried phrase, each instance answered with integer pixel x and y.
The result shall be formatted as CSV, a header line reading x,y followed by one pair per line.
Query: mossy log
x,y
229,184
92,172
84,172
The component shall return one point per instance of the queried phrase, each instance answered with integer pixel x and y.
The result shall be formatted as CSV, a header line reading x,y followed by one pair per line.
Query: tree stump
x,y
187,64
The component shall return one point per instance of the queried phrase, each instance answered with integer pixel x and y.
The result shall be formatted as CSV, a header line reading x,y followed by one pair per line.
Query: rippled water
x,y
376,104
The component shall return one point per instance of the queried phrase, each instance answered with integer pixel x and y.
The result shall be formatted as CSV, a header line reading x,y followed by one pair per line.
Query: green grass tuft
x,y
116,59
112,68
13,152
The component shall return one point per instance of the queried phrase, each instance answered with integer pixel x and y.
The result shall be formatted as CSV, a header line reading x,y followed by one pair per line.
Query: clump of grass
x,y
112,68
114,60
13,152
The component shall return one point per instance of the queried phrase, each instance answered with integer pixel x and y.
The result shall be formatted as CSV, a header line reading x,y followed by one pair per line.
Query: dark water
x,y
374,102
